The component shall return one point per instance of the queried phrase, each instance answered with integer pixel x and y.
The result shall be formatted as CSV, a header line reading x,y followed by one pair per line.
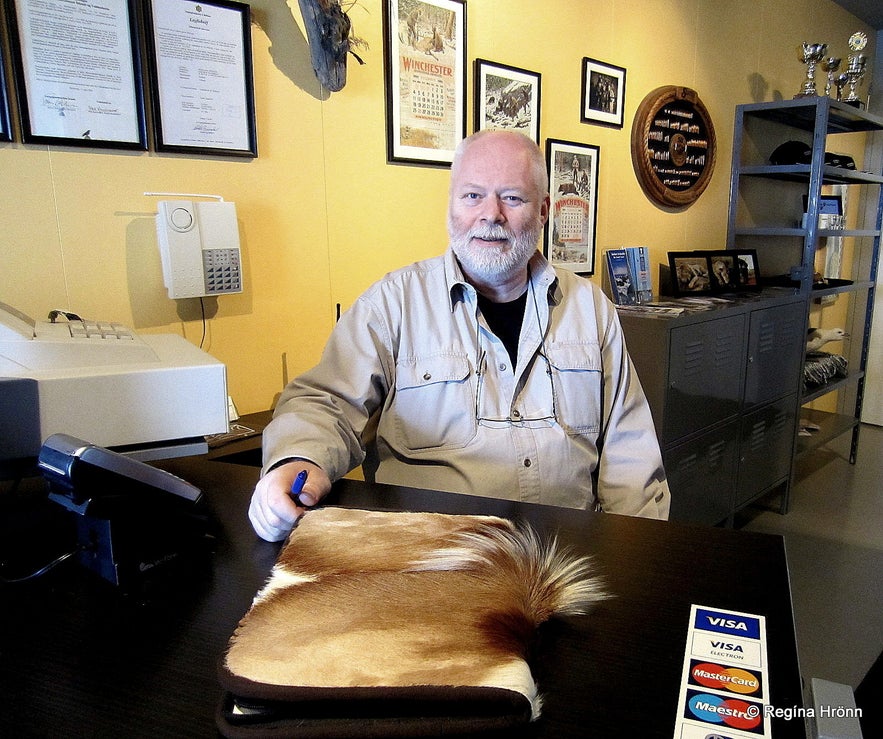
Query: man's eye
x,y
513,199
471,196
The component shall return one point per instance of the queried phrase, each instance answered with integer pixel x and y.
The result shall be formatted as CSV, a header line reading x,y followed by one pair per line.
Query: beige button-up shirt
x,y
414,386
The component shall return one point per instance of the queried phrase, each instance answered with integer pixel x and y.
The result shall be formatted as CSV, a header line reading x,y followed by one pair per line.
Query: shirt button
x,y
516,414
427,376
502,366
527,463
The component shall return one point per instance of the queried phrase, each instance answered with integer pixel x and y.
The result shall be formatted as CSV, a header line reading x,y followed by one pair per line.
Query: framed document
x,y
77,73
200,61
5,129
673,146
573,189
425,57
507,97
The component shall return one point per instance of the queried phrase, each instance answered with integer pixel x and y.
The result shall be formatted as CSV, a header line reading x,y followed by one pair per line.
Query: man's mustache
x,y
491,233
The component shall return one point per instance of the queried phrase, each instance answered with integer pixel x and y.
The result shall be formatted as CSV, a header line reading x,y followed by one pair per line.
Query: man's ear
x,y
544,209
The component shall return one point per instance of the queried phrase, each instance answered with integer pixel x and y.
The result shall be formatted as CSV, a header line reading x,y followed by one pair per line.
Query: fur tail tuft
x,y
546,579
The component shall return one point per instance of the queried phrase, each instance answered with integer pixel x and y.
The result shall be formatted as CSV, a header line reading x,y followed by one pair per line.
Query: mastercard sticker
x,y
726,678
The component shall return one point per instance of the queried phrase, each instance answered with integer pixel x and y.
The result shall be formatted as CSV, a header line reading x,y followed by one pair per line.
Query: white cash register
x,y
150,395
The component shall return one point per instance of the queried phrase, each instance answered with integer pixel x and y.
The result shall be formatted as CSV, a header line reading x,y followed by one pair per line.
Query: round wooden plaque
x,y
673,146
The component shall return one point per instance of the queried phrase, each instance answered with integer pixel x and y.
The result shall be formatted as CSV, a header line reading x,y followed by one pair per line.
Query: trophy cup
x,y
855,68
841,83
810,54
831,65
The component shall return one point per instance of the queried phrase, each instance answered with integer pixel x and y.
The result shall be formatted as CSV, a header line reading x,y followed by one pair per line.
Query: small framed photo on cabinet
x,y
747,270
690,274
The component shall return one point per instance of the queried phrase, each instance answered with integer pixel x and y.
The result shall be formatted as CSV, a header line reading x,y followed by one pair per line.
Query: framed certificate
x,y
77,73
199,54
5,130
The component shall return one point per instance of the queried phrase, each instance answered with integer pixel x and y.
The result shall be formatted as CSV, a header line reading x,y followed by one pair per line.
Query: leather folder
x,y
397,624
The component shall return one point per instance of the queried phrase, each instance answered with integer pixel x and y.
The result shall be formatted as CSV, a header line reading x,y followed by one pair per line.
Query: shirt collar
x,y
543,276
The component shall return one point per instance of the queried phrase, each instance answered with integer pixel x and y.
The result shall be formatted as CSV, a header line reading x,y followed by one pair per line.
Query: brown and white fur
x,y
371,599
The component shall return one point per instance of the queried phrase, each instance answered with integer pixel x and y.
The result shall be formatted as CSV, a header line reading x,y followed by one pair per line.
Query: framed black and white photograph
x,y
507,97
86,91
603,93
200,61
425,79
5,123
569,240
690,273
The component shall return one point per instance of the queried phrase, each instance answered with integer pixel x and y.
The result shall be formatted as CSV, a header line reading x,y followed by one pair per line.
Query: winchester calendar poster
x,y
425,79
573,190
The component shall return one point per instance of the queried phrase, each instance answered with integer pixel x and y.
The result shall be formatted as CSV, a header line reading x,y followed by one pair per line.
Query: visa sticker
x,y
727,623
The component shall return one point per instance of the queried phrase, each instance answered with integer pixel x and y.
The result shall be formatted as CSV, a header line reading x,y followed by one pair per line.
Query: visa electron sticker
x,y
724,684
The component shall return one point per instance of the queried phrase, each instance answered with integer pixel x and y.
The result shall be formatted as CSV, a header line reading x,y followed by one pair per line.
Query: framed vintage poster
x,y
86,91
573,190
425,58
603,93
200,60
507,97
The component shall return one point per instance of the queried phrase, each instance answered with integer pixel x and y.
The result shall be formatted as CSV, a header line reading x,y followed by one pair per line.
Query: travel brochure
x,y
628,274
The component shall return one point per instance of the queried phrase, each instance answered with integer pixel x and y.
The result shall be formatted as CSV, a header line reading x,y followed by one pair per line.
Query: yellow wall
x,y
321,212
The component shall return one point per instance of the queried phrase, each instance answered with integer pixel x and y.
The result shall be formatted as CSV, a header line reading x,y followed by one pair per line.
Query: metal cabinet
x,y
723,389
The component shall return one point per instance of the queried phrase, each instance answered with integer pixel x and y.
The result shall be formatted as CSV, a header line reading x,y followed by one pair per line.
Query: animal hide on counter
x,y
398,624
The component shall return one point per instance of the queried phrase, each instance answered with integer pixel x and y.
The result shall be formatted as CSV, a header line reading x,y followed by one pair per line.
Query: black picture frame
x,y
713,272
92,98
748,275
5,119
570,235
603,93
507,97
187,122
722,271
424,45
690,273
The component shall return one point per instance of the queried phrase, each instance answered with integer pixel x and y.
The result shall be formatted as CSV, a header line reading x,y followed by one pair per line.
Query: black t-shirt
x,y
505,320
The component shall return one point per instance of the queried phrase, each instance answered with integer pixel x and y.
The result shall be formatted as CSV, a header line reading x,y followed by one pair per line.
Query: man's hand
x,y
273,512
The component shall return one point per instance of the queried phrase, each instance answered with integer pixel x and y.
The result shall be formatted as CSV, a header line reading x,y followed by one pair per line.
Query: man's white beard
x,y
488,262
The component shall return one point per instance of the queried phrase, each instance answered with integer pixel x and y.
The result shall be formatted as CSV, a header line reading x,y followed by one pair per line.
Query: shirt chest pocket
x,y
433,403
578,375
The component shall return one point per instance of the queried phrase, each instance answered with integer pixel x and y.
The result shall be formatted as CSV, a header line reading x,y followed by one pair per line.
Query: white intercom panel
x,y
199,248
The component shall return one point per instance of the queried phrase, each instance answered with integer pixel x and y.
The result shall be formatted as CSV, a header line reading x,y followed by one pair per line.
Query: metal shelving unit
x,y
766,209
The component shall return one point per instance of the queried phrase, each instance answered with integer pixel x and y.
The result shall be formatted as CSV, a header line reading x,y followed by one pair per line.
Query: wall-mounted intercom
x,y
199,247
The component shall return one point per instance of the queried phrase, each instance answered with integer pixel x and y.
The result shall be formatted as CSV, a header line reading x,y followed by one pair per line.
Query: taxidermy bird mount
x,y
328,32
816,338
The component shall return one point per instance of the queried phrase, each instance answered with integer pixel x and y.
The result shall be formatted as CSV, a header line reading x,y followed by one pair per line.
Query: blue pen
x,y
297,486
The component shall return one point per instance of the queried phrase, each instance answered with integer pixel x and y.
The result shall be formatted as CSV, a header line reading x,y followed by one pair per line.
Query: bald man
x,y
484,370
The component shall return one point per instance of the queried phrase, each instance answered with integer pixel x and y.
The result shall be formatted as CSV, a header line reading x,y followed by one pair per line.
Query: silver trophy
x,y
831,65
855,67
810,55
